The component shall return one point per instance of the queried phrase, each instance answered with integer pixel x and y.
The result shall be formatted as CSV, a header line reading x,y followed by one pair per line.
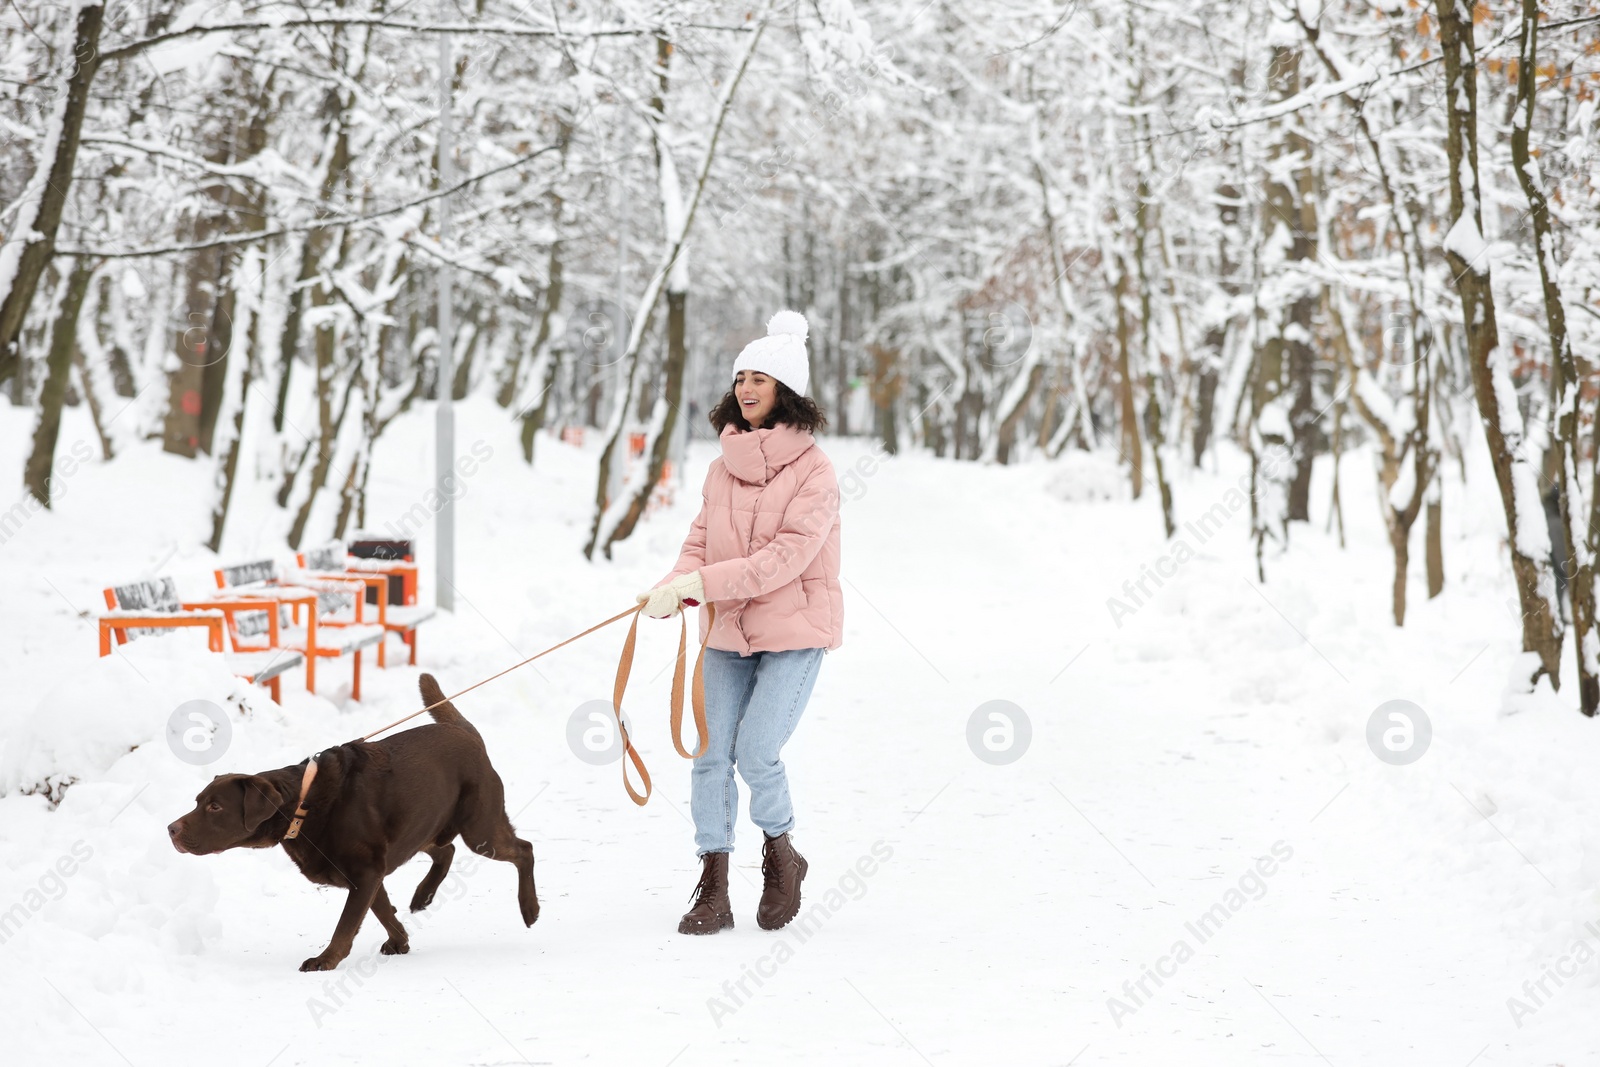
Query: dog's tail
x,y
445,712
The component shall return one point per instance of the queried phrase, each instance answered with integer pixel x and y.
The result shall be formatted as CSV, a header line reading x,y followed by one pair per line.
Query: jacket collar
x,y
754,456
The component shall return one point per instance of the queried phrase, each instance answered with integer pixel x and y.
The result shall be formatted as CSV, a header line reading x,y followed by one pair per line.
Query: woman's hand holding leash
x,y
668,598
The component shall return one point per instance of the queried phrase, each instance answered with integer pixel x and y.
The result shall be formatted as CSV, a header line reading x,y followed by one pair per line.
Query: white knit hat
x,y
782,353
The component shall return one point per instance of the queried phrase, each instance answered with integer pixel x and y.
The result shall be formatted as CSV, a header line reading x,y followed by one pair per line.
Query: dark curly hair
x,y
790,407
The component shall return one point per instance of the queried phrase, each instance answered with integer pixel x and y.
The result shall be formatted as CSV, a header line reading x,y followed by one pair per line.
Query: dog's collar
x,y
300,811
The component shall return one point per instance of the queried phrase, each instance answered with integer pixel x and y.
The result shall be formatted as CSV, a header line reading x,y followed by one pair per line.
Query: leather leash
x,y
624,669
697,698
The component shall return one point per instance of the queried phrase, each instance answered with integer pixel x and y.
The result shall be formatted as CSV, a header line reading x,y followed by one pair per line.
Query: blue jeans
x,y
752,705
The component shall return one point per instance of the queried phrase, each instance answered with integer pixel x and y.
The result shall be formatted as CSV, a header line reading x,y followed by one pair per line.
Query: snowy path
x,y
980,913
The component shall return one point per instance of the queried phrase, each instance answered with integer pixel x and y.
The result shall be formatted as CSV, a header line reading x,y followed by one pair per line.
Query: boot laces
x,y
703,886
771,868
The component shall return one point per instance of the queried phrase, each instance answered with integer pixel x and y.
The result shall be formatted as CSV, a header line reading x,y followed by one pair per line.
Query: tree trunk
x,y
327,343
1391,454
324,463
315,244
884,390
534,411
933,429
841,383
1435,541
367,378
376,346
1006,433
233,374
311,248
534,420
1132,447
192,347
102,371
1206,390
1290,219
1154,421
63,341
219,349
1403,214
510,385
23,259
1335,503
1497,403
1064,297
1052,406
1578,554
250,138
1400,542
91,394
1272,443
1227,200
671,274
463,361
969,403
663,421
1302,419
233,432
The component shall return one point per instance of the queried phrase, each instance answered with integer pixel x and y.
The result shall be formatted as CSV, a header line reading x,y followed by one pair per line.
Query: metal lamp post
x,y
445,425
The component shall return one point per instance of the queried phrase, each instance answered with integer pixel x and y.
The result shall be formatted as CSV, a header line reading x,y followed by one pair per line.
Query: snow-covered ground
x,y
1198,859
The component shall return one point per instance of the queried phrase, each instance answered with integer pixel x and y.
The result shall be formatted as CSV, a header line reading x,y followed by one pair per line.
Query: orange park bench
x,y
391,588
152,607
322,619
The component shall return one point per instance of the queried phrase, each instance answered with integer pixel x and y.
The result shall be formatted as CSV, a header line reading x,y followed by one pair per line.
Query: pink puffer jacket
x,y
766,544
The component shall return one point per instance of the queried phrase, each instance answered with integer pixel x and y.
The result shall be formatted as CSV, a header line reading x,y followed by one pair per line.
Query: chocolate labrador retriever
x,y
351,815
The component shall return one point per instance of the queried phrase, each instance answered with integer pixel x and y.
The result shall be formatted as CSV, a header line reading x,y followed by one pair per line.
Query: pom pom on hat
x,y
781,354
789,322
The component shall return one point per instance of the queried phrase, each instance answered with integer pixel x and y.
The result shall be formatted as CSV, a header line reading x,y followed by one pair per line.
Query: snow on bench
x,y
323,632
381,575
152,608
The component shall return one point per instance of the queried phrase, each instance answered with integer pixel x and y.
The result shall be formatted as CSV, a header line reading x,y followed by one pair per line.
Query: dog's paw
x,y
319,963
530,915
421,901
392,947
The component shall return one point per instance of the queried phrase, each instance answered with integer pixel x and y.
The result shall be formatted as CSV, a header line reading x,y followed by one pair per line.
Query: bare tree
x,y
24,258
1580,539
1468,255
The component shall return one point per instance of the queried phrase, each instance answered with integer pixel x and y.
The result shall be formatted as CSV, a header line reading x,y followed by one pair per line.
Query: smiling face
x,y
756,393
228,813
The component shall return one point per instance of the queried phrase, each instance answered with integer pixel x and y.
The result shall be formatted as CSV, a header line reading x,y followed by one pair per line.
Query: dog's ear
x,y
262,800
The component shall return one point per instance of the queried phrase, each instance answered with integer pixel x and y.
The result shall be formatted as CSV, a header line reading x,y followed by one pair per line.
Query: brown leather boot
x,y
782,871
711,911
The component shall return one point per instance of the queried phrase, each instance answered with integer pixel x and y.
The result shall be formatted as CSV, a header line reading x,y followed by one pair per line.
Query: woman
x,y
765,551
